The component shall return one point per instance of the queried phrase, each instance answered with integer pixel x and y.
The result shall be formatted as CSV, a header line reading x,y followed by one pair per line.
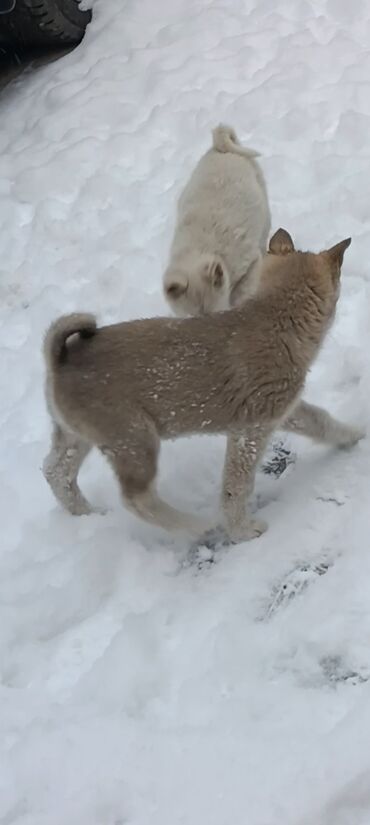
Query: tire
x,y
49,23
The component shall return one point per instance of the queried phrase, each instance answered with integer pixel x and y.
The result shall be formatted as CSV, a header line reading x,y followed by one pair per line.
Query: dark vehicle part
x,y
6,6
31,23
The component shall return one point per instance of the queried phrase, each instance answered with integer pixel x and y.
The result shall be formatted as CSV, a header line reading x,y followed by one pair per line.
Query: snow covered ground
x,y
134,688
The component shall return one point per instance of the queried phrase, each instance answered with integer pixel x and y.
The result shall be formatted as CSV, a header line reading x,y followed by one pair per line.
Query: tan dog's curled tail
x,y
55,349
225,140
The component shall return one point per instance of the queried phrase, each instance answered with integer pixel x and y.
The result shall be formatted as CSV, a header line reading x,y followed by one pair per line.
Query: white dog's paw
x,y
250,529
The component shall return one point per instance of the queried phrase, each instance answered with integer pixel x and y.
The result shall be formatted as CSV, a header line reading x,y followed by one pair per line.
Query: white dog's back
x,y
223,221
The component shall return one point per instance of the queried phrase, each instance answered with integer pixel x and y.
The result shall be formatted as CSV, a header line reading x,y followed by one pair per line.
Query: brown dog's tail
x,y
225,140
55,343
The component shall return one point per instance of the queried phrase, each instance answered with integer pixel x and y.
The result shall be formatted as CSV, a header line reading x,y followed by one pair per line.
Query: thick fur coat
x,y
123,388
223,223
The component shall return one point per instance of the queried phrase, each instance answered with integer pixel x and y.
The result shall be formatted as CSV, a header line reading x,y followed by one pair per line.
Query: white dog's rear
x,y
223,222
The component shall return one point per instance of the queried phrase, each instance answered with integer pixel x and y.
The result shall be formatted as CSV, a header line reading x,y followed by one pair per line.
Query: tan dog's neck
x,y
299,289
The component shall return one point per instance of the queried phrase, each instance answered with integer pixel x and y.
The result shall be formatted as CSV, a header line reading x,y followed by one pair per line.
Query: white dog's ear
x,y
176,286
214,273
281,243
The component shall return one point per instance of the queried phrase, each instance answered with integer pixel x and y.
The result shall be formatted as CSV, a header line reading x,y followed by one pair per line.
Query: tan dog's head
x,y
197,285
325,265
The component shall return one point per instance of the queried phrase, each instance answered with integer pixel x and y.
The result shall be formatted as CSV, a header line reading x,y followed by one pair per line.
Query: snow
x,y
136,687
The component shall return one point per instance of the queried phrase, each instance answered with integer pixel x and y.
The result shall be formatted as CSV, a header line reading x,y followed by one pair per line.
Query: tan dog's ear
x,y
336,253
281,243
214,273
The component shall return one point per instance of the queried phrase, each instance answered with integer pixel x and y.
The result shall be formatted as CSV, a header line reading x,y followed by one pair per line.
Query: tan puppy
x,y
123,388
223,222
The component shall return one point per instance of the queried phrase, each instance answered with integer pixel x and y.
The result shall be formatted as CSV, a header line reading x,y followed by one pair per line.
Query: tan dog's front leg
x,y
243,452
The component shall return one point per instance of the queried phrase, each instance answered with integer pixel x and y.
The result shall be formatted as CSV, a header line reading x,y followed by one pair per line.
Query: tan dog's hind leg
x,y
61,467
153,509
243,452
134,460
316,423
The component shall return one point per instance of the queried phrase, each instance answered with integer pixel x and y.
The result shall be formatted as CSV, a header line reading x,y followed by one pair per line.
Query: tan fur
x,y
223,222
82,323
127,386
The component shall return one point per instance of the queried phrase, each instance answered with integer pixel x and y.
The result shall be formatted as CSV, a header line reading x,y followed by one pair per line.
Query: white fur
x,y
222,216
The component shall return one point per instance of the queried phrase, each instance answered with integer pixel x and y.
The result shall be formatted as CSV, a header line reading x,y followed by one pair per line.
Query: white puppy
x,y
223,222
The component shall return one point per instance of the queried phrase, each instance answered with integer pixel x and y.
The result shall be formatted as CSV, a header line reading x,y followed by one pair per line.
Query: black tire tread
x,y
44,23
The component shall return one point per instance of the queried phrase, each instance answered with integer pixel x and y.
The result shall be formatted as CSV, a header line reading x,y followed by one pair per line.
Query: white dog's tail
x,y
225,140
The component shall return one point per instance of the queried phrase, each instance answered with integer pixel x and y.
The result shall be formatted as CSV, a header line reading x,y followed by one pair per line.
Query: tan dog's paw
x,y
100,511
350,437
251,528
